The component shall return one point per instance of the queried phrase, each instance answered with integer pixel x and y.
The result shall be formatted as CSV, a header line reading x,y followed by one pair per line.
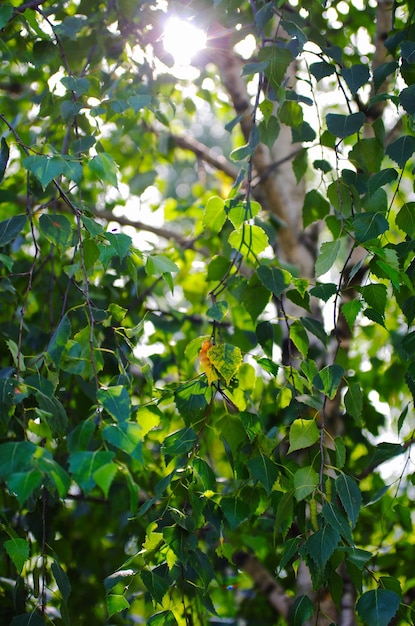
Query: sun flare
x,y
183,40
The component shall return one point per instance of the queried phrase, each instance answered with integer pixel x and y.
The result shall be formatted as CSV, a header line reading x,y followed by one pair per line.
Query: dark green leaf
x,y
120,243
10,228
337,520
301,611
164,618
4,154
44,168
378,606
350,496
353,401
273,278
324,291
56,228
235,510
316,328
375,296
321,545
315,208
355,77
180,442
401,149
264,470
344,125
61,579
368,226
322,69
156,583
58,340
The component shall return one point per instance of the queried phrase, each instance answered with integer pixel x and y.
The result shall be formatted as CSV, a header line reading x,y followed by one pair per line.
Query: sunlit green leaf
x,y
18,550
303,434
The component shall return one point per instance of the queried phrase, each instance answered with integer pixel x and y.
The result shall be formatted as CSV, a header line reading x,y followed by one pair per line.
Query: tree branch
x,y
265,582
202,152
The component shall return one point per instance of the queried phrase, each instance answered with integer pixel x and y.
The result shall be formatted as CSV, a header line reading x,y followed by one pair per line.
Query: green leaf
x,y
45,168
164,618
337,520
6,12
58,340
401,150
278,59
105,475
18,550
218,311
242,211
353,401
84,464
315,207
355,77
375,296
179,442
56,228
116,603
316,328
235,511
322,69
116,401
378,606
301,611
305,481
4,154
328,254
351,310
369,226
158,264
379,179
249,239
192,398
61,579
299,337
328,380
10,228
79,85
344,125
324,291
126,436
156,584
406,98
405,218
120,243
350,496
274,279
321,545
303,434
23,484
15,456
46,464
226,358
104,168
264,470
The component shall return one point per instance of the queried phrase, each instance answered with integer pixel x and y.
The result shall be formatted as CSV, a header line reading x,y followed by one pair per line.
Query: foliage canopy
x,y
207,314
